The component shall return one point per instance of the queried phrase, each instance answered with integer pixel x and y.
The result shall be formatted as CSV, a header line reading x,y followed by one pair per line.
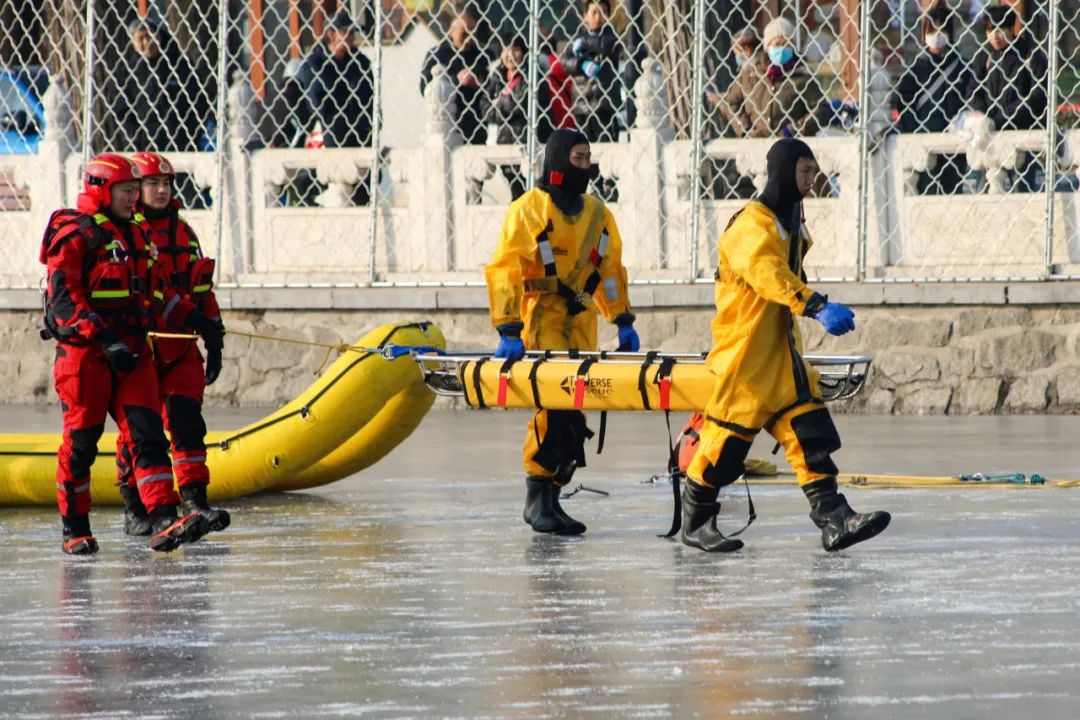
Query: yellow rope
x,y
340,347
860,481
916,481
330,347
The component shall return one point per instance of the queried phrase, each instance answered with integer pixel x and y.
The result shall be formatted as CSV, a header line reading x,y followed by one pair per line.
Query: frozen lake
x,y
415,590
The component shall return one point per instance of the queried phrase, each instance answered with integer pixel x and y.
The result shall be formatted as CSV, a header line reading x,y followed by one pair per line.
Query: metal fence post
x,y
1050,173
88,82
376,140
864,140
696,124
220,134
534,59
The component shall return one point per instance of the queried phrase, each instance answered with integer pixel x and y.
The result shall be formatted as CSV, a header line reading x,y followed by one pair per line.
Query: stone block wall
x,y
956,360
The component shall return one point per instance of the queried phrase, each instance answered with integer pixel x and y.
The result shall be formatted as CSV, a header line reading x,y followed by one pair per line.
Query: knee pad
x,y
84,448
186,422
729,464
818,438
147,436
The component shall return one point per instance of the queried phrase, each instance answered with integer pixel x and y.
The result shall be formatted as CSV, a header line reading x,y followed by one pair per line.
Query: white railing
x,y
439,206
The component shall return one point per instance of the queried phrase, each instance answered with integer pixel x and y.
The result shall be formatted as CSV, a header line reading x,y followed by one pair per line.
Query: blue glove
x,y
576,46
837,319
590,68
510,345
628,337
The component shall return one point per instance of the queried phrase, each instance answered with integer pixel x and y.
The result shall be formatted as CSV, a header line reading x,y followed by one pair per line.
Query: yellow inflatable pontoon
x,y
359,409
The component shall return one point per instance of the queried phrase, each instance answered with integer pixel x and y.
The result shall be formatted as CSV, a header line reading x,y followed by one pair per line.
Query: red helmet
x,y
104,171
151,163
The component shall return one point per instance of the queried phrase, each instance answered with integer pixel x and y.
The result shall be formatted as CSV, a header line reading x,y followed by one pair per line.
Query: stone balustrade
x,y
440,203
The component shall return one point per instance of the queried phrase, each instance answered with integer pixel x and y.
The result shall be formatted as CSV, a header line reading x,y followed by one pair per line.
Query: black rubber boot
x,y
194,500
542,509
77,537
170,532
841,527
136,521
567,524
699,511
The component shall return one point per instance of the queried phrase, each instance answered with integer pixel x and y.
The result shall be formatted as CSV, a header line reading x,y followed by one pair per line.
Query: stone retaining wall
x,y
957,360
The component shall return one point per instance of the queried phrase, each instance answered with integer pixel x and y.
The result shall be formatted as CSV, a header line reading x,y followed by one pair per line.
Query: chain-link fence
x,y
370,142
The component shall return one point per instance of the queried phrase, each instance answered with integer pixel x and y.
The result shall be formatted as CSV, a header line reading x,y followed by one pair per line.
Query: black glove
x,y
120,357
213,364
208,329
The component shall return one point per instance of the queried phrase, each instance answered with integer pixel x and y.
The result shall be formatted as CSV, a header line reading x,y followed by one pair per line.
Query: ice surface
x,y
415,590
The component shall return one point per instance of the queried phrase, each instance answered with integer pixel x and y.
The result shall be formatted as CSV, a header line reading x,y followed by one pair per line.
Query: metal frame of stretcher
x,y
842,376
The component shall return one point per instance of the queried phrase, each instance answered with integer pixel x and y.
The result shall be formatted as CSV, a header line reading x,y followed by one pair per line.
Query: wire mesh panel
x,y
1065,68
362,142
301,141
967,169
774,70
41,100
593,71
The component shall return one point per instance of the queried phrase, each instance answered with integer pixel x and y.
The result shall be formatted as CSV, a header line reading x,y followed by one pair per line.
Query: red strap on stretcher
x,y
582,382
579,392
663,379
501,402
504,379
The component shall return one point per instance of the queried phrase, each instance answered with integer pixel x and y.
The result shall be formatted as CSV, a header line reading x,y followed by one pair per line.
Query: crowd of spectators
x,y
779,83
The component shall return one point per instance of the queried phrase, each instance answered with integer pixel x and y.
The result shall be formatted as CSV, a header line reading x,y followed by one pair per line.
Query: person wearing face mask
x,y
931,95
785,98
1008,83
750,63
762,380
558,265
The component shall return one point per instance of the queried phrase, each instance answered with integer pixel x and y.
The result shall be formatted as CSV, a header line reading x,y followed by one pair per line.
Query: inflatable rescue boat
x,y
359,409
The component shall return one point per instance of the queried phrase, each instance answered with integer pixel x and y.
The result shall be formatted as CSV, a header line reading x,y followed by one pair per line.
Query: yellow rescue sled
x,y
618,381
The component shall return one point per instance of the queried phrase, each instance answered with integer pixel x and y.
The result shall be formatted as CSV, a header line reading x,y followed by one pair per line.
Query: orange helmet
x,y
104,171
151,163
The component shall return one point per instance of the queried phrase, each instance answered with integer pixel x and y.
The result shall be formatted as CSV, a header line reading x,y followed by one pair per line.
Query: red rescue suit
x,y
181,380
103,287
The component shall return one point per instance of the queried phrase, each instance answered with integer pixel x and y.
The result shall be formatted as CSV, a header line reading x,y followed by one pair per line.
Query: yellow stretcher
x,y
616,381
643,381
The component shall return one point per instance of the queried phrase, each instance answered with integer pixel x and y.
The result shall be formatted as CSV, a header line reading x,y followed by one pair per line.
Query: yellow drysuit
x,y
540,247
762,380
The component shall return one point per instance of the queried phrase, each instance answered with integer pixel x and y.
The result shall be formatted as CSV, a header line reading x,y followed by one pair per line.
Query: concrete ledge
x,y
697,295
20,300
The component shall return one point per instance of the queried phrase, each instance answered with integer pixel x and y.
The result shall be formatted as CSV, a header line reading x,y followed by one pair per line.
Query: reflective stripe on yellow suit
x,y
762,380
520,291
